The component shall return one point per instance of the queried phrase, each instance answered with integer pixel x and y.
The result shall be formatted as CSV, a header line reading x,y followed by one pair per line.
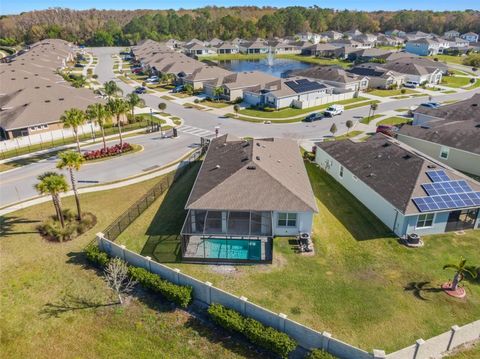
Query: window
x,y
444,152
425,220
287,219
341,172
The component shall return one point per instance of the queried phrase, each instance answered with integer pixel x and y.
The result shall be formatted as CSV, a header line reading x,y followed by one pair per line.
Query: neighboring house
x,y
450,134
416,71
255,47
205,74
352,34
291,92
227,48
332,35
395,32
416,35
348,43
452,34
214,42
283,47
406,190
235,84
386,40
311,37
246,192
457,44
33,96
470,37
335,76
366,38
378,77
198,49
323,50
425,47
364,55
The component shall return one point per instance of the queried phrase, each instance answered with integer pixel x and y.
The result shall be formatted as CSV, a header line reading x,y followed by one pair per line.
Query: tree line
x,y
126,27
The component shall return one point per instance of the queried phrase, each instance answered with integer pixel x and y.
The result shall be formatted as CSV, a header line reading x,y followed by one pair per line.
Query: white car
x,y
334,110
153,79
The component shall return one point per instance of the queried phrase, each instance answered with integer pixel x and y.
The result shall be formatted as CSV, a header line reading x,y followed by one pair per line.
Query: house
x,y
416,35
366,38
451,34
227,48
196,49
470,37
406,190
378,77
396,33
449,133
204,74
323,50
364,55
284,47
332,35
311,37
254,47
416,70
214,42
291,92
457,45
352,33
425,47
234,85
386,40
246,192
33,96
335,76
348,43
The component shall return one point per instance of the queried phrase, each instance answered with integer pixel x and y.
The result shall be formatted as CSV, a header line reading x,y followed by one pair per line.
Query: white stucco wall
x,y
304,224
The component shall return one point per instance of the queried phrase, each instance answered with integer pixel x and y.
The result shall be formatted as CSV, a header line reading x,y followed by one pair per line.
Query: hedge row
x,y
266,337
178,294
320,354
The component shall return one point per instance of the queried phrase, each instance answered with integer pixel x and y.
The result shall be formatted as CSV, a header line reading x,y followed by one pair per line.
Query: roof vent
x,y
386,144
61,99
406,157
371,174
246,144
474,104
48,86
47,101
37,87
432,166
257,158
258,144
251,167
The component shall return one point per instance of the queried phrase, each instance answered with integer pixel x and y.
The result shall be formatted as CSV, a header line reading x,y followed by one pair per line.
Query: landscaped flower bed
x,y
108,152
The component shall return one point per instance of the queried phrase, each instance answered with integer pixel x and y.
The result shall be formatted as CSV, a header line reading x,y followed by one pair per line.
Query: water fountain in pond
x,y
270,57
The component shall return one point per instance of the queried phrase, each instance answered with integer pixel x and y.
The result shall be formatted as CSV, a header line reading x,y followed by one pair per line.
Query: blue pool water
x,y
278,67
233,249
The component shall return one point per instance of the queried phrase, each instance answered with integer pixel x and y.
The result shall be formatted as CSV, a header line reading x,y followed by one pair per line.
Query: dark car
x,y
178,89
388,130
430,104
314,117
140,90
79,65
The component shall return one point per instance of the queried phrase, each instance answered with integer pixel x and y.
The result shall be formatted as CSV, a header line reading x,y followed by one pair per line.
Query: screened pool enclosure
x,y
227,236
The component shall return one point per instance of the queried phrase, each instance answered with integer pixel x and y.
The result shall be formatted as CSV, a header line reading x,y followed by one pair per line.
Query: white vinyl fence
x,y
323,100
306,337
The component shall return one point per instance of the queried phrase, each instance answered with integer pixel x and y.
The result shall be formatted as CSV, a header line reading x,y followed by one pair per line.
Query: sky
x,y
15,7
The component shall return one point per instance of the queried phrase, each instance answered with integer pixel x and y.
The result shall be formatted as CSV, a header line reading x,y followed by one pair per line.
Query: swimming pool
x,y
233,248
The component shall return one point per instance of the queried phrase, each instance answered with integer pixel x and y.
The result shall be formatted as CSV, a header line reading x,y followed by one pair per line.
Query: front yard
x,y
455,81
388,93
360,280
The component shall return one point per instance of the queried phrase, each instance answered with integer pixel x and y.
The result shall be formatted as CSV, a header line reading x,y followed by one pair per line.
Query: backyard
x,y
360,280
56,306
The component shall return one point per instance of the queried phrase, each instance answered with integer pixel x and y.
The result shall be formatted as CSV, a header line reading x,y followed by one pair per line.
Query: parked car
x,y
140,90
153,79
268,122
411,84
388,130
79,65
430,104
314,117
334,110
178,89
136,70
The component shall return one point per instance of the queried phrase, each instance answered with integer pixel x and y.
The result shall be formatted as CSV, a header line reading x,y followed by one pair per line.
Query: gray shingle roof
x,y
259,175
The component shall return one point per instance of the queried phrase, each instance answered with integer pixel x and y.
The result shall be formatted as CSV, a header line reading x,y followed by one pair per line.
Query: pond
x,y
276,68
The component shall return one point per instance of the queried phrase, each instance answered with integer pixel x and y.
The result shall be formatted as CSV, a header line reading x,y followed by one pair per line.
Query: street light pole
x,y
216,131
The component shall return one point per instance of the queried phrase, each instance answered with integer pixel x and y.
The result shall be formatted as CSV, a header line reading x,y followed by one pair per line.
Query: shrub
x,y
319,354
52,230
403,91
96,256
266,337
226,318
269,338
268,109
180,295
95,76
109,151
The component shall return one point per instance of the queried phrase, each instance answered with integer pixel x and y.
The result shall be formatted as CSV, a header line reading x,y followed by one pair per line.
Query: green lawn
x,y
469,353
54,305
455,81
449,58
215,104
347,136
291,112
388,93
474,86
367,119
360,280
395,120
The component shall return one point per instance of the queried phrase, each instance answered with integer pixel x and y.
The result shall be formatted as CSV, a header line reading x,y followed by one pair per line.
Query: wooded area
x,y
123,27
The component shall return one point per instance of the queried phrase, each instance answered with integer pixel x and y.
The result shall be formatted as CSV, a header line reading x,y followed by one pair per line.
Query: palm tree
x,y
118,107
74,118
236,108
98,112
134,100
460,270
349,125
53,183
72,161
111,89
188,88
373,108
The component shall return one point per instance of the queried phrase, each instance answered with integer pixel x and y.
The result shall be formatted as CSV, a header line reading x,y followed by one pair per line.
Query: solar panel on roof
x,y
447,187
304,86
438,176
447,201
